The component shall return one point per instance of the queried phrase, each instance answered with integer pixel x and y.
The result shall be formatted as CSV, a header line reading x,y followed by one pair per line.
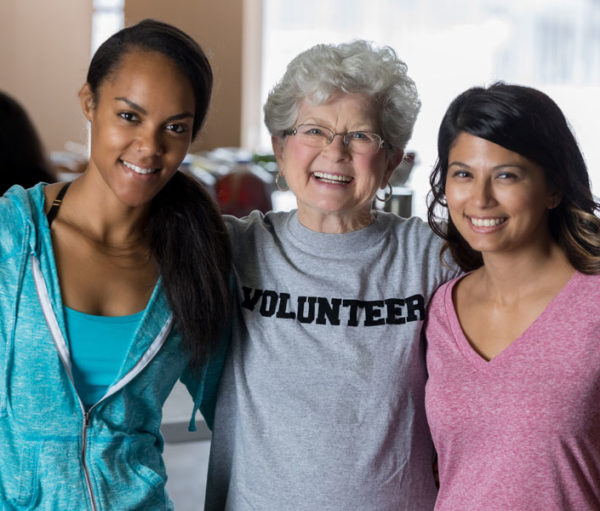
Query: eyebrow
x,y
143,111
325,124
497,167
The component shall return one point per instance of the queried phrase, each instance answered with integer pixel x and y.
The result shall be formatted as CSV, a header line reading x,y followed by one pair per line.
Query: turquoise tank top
x,y
98,347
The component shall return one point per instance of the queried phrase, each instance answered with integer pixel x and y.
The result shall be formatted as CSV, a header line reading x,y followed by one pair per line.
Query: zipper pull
x,y
86,417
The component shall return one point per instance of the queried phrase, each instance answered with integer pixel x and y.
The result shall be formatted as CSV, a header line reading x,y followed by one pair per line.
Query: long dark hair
x,y
528,122
24,160
186,232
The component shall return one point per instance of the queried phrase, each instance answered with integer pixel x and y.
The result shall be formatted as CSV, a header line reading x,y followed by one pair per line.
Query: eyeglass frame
x,y
345,141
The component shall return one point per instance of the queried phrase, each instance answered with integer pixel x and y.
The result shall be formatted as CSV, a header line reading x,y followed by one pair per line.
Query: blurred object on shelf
x,y
266,161
246,188
402,172
70,163
198,167
239,180
401,200
283,200
67,166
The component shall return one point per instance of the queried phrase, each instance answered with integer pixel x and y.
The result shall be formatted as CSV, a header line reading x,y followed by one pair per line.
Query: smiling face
x,y
332,184
497,199
141,125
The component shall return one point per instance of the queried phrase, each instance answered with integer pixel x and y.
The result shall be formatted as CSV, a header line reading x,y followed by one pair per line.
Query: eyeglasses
x,y
357,142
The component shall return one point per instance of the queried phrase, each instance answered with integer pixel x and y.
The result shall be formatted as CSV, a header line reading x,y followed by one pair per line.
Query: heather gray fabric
x,y
321,403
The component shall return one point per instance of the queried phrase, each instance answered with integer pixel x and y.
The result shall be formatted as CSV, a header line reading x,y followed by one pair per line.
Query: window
x,y
107,19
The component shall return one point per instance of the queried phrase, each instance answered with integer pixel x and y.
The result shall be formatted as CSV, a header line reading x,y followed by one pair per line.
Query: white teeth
x,y
486,222
136,169
332,177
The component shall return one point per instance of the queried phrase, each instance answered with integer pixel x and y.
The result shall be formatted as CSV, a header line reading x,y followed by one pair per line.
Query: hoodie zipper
x,y
86,473
65,357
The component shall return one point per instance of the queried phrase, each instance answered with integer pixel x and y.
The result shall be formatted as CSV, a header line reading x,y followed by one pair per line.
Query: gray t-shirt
x,y
321,404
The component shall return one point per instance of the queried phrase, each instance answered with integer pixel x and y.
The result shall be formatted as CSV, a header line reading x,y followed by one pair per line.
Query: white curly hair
x,y
356,67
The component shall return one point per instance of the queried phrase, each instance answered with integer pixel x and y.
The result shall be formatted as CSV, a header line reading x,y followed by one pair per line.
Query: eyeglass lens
x,y
357,141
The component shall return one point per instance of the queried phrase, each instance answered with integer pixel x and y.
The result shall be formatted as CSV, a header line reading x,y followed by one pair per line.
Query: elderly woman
x,y
321,404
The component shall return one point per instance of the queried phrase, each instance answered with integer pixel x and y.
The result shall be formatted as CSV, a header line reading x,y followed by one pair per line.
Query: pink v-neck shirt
x,y
522,431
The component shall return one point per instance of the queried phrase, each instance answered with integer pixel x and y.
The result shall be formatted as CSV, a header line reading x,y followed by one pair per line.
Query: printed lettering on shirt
x,y
334,311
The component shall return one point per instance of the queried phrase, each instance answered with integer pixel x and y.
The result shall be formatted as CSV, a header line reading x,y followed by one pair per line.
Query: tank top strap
x,y
53,211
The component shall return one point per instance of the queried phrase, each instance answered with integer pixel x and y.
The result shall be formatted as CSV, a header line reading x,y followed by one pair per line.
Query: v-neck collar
x,y
516,345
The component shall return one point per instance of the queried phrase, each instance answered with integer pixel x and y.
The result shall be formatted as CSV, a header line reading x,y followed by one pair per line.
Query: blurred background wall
x,y
44,54
217,26
45,48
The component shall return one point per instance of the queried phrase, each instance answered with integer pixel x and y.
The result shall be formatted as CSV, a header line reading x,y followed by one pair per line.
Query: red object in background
x,y
240,192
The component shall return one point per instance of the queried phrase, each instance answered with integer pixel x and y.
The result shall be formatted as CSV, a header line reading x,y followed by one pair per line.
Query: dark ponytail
x,y
189,241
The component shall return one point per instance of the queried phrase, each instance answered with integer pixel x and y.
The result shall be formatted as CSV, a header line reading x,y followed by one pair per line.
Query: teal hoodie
x,y
54,455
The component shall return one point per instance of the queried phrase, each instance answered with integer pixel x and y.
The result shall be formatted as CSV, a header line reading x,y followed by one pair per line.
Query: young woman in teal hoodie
x,y
111,289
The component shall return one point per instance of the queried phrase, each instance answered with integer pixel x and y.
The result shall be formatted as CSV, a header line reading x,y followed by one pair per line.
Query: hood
x,y
30,236
27,212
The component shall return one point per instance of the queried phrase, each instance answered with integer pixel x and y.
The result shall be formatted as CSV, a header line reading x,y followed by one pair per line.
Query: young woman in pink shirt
x,y
513,396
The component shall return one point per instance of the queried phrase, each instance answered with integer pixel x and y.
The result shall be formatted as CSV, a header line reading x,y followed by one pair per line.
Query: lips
x,y
326,177
139,169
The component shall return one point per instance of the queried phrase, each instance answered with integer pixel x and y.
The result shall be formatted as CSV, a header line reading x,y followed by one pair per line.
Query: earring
x,y
278,184
387,196
555,202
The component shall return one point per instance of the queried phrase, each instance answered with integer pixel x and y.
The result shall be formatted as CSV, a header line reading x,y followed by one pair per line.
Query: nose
x,y
338,148
483,195
150,143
